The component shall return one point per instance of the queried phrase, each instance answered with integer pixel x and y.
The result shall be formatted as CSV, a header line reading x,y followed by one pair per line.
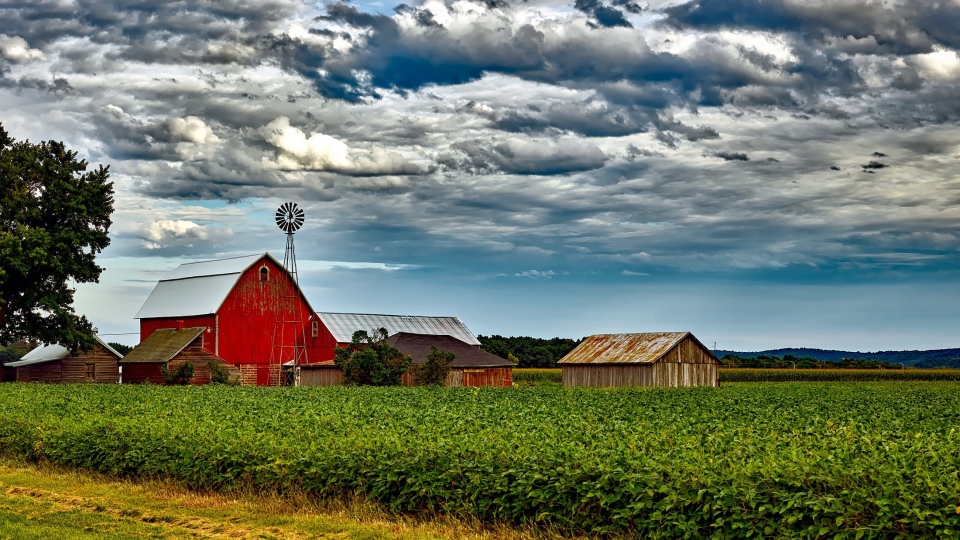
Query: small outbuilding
x,y
55,364
172,348
470,367
648,359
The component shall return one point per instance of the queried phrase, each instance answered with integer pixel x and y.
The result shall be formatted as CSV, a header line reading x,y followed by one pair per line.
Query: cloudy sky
x,y
763,173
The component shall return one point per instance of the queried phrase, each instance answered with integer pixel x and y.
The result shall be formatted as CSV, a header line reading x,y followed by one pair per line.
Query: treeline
x,y
528,352
791,361
934,358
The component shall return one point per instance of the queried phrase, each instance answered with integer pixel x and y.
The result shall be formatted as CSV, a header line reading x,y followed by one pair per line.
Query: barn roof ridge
x,y
628,348
389,315
465,355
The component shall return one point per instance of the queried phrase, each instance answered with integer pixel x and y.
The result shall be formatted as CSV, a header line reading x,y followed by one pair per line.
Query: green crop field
x,y
873,460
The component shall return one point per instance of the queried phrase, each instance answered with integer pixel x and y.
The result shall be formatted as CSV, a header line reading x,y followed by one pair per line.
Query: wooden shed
x,y
55,364
172,348
649,359
470,367
320,374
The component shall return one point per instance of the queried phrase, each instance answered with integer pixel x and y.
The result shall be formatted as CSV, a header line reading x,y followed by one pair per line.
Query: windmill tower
x,y
289,346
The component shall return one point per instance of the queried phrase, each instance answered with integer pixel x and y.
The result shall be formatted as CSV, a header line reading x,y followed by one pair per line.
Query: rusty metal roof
x,y
465,355
49,353
198,288
162,345
343,325
644,348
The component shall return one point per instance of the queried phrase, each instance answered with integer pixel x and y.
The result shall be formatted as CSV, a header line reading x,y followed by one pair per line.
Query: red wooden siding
x,y
140,373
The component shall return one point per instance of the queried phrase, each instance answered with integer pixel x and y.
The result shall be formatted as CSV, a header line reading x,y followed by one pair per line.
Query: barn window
x,y
264,273
315,329
91,373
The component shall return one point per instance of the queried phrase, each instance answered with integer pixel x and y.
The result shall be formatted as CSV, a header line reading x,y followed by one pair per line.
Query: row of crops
x,y
874,460
542,375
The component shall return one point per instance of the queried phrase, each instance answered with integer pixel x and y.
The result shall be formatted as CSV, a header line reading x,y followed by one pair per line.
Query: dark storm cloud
x,y
605,16
732,156
856,26
522,156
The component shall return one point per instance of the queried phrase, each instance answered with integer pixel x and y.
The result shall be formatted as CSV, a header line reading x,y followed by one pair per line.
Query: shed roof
x,y
343,325
162,345
49,353
198,288
644,348
466,355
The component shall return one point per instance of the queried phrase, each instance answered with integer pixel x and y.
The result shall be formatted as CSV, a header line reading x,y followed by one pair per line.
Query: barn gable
x,y
342,325
198,288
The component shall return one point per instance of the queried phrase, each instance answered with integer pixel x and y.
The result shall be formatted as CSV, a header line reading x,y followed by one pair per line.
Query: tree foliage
x,y
370,361
54,218
120,347
435,370
528,352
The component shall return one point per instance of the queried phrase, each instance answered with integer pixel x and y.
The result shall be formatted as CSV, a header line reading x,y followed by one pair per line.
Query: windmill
x,y
289,356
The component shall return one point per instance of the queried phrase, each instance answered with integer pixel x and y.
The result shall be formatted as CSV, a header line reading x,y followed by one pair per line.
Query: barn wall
x,y
321,377
148,326
247,320
259,375
687,364
73,369
607,375
475,377
141,373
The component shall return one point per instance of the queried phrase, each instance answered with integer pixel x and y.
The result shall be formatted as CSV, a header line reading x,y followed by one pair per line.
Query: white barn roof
x,y
49,353
197,288
343,325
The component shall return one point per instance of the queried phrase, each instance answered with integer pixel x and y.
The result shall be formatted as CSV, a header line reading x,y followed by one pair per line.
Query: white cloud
x,y
536,274
191,129
16,49
321,152
165,233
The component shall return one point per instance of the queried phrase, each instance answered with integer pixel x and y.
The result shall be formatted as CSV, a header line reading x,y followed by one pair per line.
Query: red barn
x,y
251,310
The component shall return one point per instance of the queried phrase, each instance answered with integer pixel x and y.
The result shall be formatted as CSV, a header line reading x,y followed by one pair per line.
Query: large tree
x,y
54,217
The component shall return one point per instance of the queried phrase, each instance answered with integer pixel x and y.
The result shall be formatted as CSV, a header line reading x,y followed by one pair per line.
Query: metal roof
x,y
418,346
49,353
343,325
162,345
198,288
232,265
188,297
644,348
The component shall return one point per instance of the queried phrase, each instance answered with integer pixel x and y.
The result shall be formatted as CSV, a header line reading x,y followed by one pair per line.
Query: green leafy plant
x,y
370,361
180,377
218,373
435,370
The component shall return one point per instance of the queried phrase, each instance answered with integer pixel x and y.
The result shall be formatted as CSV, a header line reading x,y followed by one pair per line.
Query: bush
x,y
180,377
371,361
218,373
435,370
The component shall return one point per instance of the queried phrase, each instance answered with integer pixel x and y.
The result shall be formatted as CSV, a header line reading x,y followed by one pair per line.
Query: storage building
x,y
171,348
55,364
649,359
470,367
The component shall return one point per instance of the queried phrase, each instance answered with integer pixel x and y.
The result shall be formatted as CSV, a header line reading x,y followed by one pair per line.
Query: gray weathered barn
x,y
648,359
55,364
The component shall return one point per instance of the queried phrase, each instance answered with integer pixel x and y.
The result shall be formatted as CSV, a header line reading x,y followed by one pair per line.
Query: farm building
x,y
55,364
171,348
340,327
470,367
650,359
251,310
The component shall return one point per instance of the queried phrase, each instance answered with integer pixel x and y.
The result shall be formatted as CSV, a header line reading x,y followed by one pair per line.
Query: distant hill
x,y
921,359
